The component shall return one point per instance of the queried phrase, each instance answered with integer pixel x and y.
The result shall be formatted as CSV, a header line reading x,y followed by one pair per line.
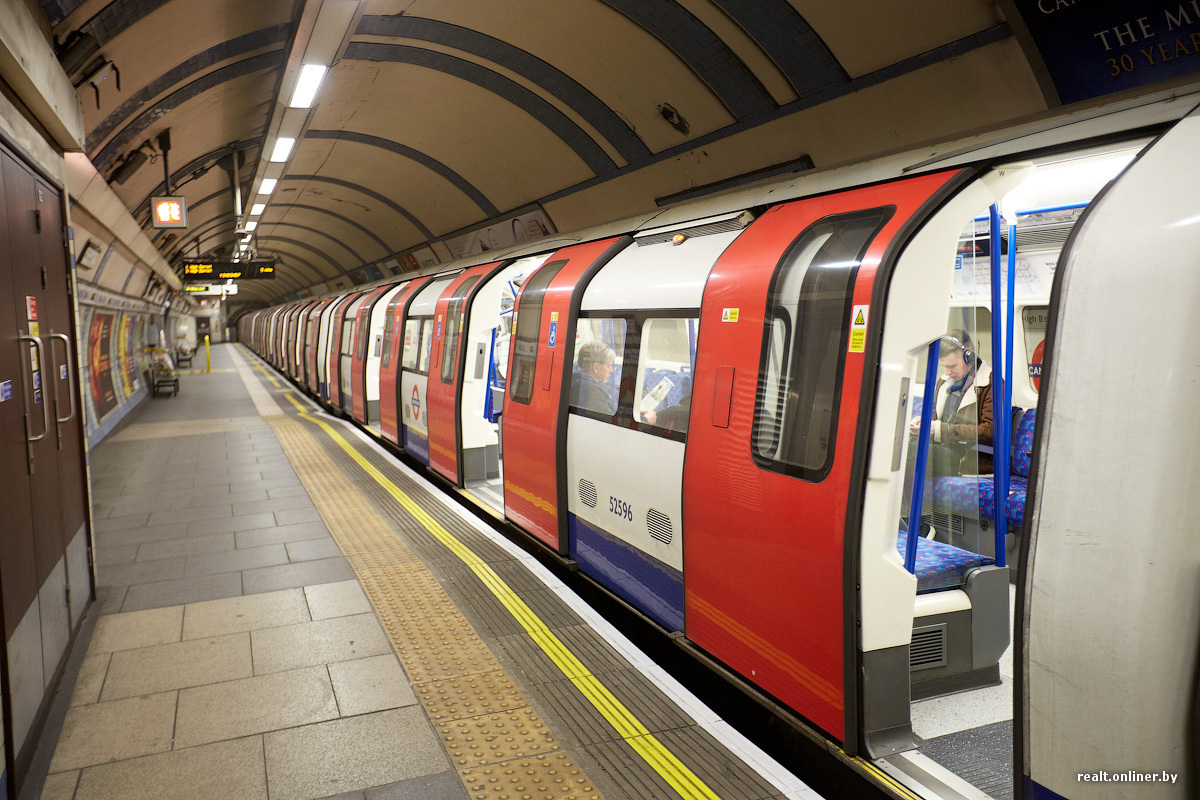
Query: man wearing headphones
x,y
963,409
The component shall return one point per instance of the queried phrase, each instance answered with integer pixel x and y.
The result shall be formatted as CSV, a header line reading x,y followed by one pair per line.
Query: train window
x,y
364,333
426,344
1033,320
807,324
599,360
528,331
389,325
347,337
412,342
454,320
666,360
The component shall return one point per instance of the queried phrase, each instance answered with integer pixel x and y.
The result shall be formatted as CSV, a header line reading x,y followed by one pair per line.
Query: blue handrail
x,y
1001,411
917,499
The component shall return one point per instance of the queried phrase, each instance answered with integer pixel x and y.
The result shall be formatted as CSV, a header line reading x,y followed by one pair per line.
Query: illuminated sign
x,y
228,270
211,289
168,212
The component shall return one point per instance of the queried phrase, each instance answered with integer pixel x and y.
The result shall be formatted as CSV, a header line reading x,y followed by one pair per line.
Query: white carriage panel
x,y
1113,604
323,340
918,303
636,468
663,275
375,343
416,402
485,316
425,303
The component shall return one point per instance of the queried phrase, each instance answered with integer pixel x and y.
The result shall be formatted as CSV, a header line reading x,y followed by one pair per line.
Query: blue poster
x,y
1096,47
553,334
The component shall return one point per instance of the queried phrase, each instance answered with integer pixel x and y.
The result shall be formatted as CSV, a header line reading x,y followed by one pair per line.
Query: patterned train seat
x,y
971,496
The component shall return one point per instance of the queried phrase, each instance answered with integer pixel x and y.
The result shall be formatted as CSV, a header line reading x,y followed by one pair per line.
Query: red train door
x,y
389,366
445,373
358,368
539,379
768,467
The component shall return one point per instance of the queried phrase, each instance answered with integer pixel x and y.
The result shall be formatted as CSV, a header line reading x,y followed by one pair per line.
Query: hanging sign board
x,y
168,212
225,270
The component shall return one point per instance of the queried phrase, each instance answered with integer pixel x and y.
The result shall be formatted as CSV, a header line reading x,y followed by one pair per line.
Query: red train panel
x,y
362,349
445,370
536,398
765,540
311,338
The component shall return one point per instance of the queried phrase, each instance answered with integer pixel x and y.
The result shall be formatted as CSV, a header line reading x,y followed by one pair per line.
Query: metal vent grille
x,y
659,525
928,648
587,493
1045,237
725,225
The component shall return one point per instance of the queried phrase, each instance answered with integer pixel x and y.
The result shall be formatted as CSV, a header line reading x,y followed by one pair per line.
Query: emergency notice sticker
x,y
858,329
730,314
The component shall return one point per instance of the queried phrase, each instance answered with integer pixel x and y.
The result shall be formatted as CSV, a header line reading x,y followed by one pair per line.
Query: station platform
x,y
286,611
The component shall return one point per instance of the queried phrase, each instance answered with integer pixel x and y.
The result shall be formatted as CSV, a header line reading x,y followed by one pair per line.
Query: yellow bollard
x,y
207,357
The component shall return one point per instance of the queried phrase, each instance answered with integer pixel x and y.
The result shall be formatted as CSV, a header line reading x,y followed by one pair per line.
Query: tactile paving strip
x,y
435,642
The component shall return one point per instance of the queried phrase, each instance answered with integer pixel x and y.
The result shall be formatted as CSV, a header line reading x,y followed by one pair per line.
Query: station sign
x,y
228,270
168,212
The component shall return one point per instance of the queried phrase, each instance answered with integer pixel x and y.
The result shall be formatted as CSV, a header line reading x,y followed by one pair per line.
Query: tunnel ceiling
x,y
441,115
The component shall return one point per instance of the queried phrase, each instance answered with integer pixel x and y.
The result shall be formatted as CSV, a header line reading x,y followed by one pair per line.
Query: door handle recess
x,y
41,351
70,381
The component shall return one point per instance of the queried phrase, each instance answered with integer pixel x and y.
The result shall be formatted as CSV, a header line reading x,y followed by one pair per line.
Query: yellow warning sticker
x,y
858,329
729,314
554,316
35,329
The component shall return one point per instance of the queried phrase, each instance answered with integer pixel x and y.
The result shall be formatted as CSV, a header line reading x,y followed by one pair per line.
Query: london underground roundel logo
x,y
416,404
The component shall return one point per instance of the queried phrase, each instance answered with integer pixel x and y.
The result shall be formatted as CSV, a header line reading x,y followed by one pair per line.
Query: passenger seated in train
x,y
962,411
673,418
589,386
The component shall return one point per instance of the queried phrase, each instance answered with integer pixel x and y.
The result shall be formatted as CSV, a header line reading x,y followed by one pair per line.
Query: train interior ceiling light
x,y
1067,182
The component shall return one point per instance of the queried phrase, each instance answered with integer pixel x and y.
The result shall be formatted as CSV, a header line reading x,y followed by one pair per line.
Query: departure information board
x,y
207,271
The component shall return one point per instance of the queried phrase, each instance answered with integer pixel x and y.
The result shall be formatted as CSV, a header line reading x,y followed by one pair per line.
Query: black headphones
x,y
967,353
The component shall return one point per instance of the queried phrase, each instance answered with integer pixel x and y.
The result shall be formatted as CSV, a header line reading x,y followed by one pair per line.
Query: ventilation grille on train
x,y
659,525
722,226
587,493
1042,237
928,648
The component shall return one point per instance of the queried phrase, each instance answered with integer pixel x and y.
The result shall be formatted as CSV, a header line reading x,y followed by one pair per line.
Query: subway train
x,y
726,414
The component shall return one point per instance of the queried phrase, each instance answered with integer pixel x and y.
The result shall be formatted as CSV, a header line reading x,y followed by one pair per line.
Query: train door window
x,y
389,322
347,336
528,331
426,345
364,331
807,324
412,343
597,381
1033,322
454,320
666,359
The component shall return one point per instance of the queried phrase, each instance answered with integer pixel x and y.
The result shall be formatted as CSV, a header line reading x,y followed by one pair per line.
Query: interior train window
x,y
454,320
1033,321
412,343
666,360
804,343
426,345
529,326
599,363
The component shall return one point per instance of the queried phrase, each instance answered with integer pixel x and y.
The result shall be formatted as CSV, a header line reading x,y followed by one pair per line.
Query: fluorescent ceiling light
x,y
283,149
257,209
252,224
268,186
307,85
246,239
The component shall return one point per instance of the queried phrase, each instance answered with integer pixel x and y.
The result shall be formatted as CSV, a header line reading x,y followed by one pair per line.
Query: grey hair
x,y
593,352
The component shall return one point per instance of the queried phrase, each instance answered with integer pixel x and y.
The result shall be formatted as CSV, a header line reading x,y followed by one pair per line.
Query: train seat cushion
x,y
977,496
940,565
1023,443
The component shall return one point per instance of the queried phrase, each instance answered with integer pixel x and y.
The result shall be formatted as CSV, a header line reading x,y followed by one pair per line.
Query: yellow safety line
x,y
654,752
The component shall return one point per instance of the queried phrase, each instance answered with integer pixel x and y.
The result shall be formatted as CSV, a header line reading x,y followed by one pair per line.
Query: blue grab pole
x,y
1001,411
918,491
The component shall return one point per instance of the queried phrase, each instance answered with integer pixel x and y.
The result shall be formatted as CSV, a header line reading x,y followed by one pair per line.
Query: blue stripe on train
x,y
650,585
416,445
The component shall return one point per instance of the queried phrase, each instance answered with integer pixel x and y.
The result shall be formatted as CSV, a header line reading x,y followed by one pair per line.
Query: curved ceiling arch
x,y
231,48
259,63
366,231
416,155
588,150
702,50
204,161
376,196
310,248
262,223
557,83
295,259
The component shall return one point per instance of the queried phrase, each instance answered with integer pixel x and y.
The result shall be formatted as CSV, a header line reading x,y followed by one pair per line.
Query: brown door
x,y
62,349
29,299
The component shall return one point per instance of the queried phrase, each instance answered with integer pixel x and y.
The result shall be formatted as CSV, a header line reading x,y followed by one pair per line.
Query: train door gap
x,y
960,649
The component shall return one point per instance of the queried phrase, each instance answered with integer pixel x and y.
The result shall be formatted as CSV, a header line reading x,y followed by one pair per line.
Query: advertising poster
x,y
1096,47
503,233
100,363
125,356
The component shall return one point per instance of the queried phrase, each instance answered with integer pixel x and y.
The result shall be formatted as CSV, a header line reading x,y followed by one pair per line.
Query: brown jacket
x,y
971,424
